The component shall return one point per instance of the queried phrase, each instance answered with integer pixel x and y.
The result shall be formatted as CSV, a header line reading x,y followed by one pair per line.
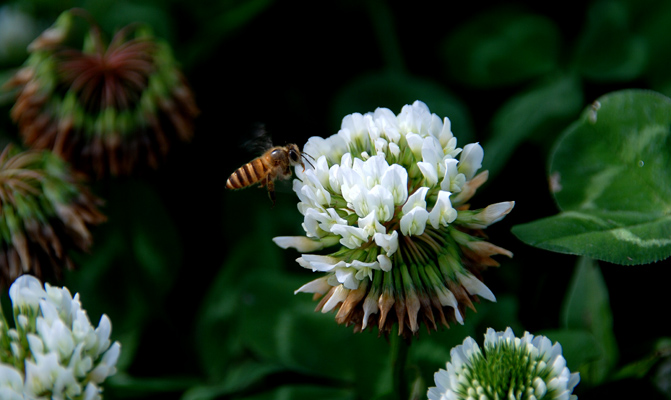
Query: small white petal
x,y
452,181
489,215
339,294
352,237
475,287
388,242
429,171
414,222
92,392
442,213
319,285
471,160
26,291
370,225
370,306
300,243
416,200
11,383
445,135
394,150
347,276
447,299
415,144
318,262
395,179
385,262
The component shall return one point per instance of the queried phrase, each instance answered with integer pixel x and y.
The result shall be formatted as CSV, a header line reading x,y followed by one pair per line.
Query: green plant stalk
x,y
398,357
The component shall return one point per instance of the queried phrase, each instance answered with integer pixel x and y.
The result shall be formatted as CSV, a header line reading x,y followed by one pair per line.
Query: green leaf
x,y
616,157
278,325
627,238
579,347
393,91
239,378
217,324
587,308
502,47
304,392
115,14
609,50
132,264
124,385
609,174
536,112
256,312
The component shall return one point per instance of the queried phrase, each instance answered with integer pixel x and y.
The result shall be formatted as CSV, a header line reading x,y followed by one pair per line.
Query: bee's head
x,y
294,154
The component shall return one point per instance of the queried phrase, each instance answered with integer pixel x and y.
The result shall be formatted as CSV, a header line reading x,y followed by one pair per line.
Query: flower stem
x,y
399,355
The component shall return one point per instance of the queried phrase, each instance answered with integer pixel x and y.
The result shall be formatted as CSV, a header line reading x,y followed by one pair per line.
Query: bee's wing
x,y
259,140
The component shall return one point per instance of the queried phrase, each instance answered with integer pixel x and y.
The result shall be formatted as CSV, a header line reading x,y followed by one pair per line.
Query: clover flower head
x,y
530,368
390,193
108,108
55,352
45,212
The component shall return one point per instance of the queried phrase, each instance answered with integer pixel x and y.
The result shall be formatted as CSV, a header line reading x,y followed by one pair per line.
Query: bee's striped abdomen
x,y
248,174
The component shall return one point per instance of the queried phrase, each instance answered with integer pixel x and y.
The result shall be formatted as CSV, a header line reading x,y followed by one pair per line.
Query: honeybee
x,y
275,163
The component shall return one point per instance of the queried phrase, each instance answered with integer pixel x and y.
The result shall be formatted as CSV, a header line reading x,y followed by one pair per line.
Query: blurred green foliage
x,y
202,300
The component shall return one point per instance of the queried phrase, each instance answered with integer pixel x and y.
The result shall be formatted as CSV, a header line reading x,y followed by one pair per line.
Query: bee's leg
x,y
271,190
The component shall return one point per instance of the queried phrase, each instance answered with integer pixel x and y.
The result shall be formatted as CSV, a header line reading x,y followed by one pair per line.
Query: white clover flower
x,y
529,368
385,205
65,357
11,383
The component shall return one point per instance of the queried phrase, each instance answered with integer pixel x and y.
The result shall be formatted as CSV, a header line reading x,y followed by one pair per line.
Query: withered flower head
x,y
108,108
389,193
45,212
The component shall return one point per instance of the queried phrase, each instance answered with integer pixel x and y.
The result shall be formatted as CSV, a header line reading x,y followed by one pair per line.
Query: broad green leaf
x,y
608,49
539,112
587,308
278,325
393,91
628,238
502,47
218,321
256,312
616,157
609,174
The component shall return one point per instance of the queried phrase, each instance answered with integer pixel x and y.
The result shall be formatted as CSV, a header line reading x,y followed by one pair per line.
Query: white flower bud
x,y
26,292
471,160
442,213
11,383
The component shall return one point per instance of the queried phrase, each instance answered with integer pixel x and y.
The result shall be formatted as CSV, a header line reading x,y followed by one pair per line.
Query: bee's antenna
x,y
306,159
